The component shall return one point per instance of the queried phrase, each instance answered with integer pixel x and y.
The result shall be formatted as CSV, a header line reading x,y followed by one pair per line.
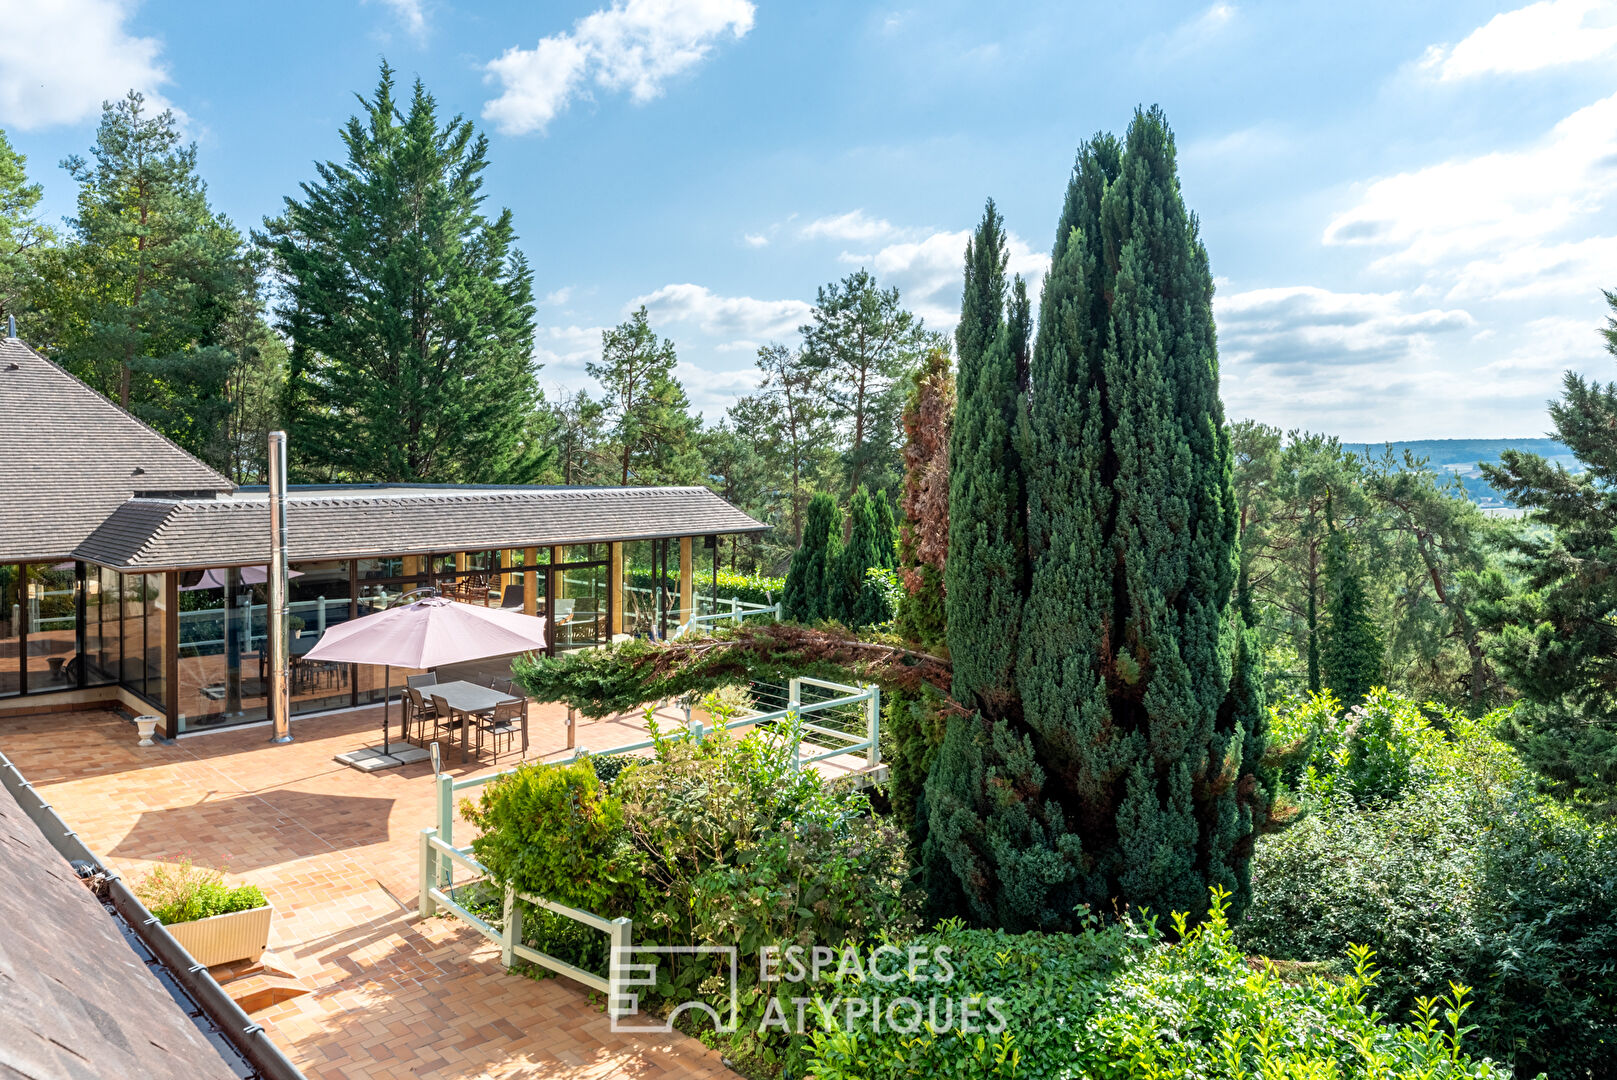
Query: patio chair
x,y
429,678
443,716
476,594
420,711
505,722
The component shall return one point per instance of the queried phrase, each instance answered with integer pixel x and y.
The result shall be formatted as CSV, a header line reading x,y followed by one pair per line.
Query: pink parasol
x,y
425,634
216,577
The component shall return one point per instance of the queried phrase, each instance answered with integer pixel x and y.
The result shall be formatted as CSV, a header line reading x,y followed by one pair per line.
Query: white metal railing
x,y
253,617
439,855
739,610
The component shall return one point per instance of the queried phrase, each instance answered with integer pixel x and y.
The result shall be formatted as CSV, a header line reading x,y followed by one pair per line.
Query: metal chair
x,y
420,712
428,678
443,716
505,721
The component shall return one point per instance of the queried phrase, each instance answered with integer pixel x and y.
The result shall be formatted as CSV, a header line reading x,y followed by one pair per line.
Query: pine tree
x,y
923,538
409,313
1132,773
986,576
136,302
808,581
22,234
1553,635
648,424
1350,659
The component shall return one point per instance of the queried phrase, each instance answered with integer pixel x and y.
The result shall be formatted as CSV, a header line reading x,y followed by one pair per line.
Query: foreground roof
x,y
75,998
69,457
366,521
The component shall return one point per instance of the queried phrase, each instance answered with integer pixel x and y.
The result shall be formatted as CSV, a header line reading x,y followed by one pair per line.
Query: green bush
x,y
1121,1002
180,892
1464,876
754,588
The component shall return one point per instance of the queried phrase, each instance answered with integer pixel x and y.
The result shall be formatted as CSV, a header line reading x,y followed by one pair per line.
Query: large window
x,y
221,647
318,596
580,600
103,628
651,594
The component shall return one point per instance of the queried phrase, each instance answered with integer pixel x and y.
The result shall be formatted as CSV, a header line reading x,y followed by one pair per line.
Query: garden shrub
x,y
1466,875
182,892
1120,1001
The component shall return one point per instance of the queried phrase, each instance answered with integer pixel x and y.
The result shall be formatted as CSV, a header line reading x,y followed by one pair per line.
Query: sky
x,y
1409,208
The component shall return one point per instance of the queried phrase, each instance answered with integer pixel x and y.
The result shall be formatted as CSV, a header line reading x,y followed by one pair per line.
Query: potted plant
x,y
217,924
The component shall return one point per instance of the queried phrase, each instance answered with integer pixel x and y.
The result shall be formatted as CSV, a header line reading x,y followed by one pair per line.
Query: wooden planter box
x,y
225,939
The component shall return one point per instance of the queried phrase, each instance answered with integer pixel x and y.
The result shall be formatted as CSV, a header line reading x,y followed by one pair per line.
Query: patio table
x,y
469,697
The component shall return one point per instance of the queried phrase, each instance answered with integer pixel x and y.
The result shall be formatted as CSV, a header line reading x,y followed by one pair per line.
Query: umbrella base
x,y
372,759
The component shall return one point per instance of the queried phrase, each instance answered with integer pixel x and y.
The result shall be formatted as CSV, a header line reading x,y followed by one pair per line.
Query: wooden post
x,y
687,600
530,581
615,586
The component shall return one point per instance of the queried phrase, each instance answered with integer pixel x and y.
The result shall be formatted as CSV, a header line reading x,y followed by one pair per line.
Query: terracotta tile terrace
x,y
335,850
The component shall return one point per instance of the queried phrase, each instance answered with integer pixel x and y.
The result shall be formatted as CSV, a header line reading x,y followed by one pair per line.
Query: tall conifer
x,y
985,577
1131,774
1350,661
807,590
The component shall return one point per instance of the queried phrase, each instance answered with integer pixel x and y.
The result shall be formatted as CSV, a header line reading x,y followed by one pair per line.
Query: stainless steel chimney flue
x,y
279,617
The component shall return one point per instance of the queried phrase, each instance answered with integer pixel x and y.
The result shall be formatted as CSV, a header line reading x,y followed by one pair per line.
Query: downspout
x,y
278,616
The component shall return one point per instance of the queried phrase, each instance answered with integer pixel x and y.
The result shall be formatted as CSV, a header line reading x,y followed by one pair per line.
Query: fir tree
x,y
805,597
1131,774
986,576
1350,661
409,313
1554,636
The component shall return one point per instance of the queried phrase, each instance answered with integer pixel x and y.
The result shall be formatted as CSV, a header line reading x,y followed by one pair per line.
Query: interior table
x,y
468,697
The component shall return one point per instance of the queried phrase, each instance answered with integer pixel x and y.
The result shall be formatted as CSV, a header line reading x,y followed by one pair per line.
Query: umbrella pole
x,y
387,704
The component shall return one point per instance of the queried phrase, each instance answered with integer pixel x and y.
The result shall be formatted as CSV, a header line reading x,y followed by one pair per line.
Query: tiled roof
x,y
150,534
69,457
75,999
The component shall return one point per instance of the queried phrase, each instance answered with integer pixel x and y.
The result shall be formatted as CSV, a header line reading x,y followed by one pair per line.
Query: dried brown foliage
x,y
924,536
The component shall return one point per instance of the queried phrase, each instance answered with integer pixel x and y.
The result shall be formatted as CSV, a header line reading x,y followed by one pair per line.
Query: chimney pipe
x,y
11,327
279,618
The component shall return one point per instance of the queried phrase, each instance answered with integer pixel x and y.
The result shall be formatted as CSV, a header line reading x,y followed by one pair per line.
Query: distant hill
x,y
1462,456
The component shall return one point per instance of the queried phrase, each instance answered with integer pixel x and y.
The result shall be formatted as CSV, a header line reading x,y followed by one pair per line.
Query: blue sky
x,y
1409,207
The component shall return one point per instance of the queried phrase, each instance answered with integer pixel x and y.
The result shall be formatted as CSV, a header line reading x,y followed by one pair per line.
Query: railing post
x,y
446,827
735,609
617,965
424,904
512,934
873,726
697,732
780,612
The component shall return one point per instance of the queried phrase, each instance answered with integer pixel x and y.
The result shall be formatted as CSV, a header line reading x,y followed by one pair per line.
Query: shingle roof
x,y
69,457
76,1001
149,534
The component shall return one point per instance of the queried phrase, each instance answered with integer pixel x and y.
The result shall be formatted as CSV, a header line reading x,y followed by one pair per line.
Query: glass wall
x,y
381,582
133,671
580,602
103,636
12,607
651,595
319,597
52,607
221,646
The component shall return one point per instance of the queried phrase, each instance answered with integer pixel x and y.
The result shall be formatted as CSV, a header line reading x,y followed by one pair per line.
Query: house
x,y
131,572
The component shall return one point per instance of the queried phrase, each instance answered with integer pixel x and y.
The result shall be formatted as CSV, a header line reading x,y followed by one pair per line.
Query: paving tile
x,y
335,851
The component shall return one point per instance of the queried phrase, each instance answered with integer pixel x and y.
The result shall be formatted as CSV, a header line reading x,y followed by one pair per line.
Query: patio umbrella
x,y
425,634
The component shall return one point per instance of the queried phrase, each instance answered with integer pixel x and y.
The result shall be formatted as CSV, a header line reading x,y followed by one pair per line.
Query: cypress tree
x,y
873,607
924,502
1350,662
1131,774
848,575
985,577
808,580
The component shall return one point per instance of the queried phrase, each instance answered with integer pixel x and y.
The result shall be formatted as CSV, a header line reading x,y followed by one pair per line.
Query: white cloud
x,y
854,225
756,240
1487,203
1537,271
559,296
929,271
1547,34
634,46
60,60
1299,326
412,15
564,350
733,317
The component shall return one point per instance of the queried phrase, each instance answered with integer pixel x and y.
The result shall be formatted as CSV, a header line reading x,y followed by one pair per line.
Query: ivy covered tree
x,y
1132,773
1555,636
923,538
409,312
986,575
1350,660
807,593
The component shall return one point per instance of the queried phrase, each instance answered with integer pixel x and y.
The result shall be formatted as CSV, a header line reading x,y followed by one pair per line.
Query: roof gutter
x,y
245,1036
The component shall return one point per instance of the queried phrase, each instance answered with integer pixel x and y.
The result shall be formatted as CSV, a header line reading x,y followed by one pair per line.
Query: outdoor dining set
x,y
498,711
